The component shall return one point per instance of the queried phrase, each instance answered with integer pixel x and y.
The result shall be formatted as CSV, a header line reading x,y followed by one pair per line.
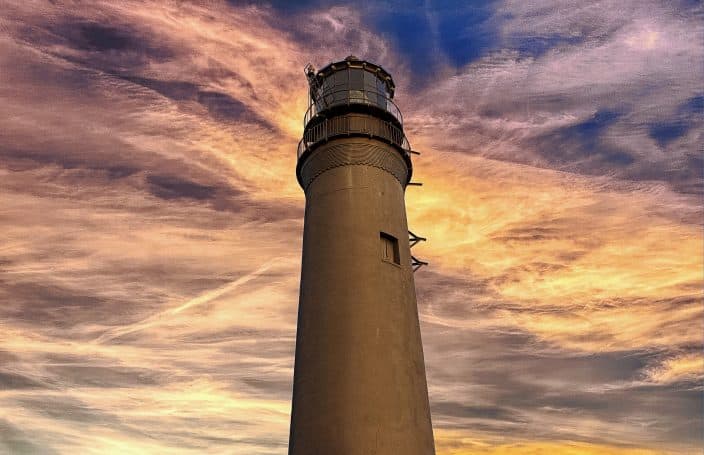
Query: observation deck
x,y
352,98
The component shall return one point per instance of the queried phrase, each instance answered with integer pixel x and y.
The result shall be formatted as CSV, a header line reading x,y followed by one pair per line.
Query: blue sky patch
x,y
667,131
572,145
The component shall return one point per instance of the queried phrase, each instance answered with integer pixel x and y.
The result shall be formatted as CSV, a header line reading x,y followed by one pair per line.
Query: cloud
x,y
152,221
14,440
590,103
166,187
454,443
688,367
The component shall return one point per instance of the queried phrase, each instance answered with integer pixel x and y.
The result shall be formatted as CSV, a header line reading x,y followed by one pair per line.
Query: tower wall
x,y
359,381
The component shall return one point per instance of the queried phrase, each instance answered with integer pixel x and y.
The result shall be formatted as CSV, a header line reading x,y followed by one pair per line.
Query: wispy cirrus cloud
x,y
599,94
152,220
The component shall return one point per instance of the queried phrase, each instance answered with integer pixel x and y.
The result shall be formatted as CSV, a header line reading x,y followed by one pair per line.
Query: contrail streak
x,y
206,297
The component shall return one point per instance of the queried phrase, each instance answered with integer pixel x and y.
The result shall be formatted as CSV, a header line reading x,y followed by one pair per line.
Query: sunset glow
x,y
152,220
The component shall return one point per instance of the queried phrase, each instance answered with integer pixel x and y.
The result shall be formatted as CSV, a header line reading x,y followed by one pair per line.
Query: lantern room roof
x,y
354,62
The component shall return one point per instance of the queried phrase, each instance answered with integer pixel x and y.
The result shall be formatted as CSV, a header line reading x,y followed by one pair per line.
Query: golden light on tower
x,y
359,381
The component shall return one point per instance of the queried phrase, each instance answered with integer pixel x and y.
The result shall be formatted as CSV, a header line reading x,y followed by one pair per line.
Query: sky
x,y
152,221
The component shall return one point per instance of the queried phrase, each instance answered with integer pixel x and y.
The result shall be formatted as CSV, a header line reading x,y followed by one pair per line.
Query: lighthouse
x,y
359,380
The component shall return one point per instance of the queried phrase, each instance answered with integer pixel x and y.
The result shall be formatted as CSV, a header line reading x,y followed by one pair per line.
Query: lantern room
x,y
352,85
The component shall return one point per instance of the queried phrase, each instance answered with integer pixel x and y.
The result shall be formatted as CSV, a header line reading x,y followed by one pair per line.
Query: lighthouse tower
x,y
359,383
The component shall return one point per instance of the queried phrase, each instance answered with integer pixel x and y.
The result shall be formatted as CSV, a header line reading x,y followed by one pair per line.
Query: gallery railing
x,y
330,99
353,125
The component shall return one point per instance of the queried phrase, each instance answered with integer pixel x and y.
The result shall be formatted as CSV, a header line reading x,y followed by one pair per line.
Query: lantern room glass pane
x,y
352,86
356,87
381,87
340,79
356,79
370,81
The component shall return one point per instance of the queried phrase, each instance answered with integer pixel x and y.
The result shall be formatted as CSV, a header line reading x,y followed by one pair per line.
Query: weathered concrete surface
x,y
359,383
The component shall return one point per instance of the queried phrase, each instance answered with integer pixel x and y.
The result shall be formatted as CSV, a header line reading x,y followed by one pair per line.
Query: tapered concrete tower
x,y
359,383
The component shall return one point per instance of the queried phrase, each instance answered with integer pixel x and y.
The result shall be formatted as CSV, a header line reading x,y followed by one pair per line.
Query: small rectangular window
x,y
389,248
